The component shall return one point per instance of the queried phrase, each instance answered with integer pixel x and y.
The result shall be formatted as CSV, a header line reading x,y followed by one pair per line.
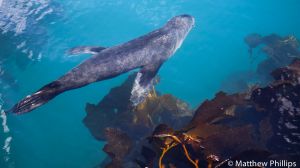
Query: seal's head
x,y
182,24
178,27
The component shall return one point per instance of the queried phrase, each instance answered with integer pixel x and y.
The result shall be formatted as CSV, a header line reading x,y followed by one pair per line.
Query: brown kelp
x,y
273,50
115,116
280,51
261,123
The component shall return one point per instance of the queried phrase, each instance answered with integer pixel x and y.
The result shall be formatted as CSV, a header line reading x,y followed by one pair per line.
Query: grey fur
x,y
148,52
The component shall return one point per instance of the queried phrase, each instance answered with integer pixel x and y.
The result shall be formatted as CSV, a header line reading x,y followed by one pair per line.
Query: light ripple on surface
x,y
15,15
7,142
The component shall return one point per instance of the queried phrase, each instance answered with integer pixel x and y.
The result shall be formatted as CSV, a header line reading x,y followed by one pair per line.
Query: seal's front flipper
x,y
85,50
143,83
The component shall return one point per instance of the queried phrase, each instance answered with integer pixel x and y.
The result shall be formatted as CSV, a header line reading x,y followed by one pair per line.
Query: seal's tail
x,y
37,99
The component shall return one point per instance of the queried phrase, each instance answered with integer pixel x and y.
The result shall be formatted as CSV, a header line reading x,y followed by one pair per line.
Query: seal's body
x,y
147,52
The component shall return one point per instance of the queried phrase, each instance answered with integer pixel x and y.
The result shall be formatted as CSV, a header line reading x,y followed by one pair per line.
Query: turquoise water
x,y
54,135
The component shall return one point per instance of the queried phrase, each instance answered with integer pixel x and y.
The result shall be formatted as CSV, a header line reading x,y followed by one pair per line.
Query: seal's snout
x,y
184,20
189,19
186,16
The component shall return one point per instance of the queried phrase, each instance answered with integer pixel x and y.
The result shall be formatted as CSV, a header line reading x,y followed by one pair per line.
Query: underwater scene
x,y
149,83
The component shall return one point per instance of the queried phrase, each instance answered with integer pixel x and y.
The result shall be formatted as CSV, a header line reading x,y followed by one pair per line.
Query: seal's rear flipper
x,y
143,83
37,99
85,50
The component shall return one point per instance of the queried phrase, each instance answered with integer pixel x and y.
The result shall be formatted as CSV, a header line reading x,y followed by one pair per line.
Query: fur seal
x,y
147,52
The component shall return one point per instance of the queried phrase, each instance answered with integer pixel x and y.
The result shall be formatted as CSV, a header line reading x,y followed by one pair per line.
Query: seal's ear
x,y
85,50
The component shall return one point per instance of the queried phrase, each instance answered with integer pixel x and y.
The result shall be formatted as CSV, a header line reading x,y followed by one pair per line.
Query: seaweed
x,y
280,51
115,113
171,139
117,147
273,50
261,123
